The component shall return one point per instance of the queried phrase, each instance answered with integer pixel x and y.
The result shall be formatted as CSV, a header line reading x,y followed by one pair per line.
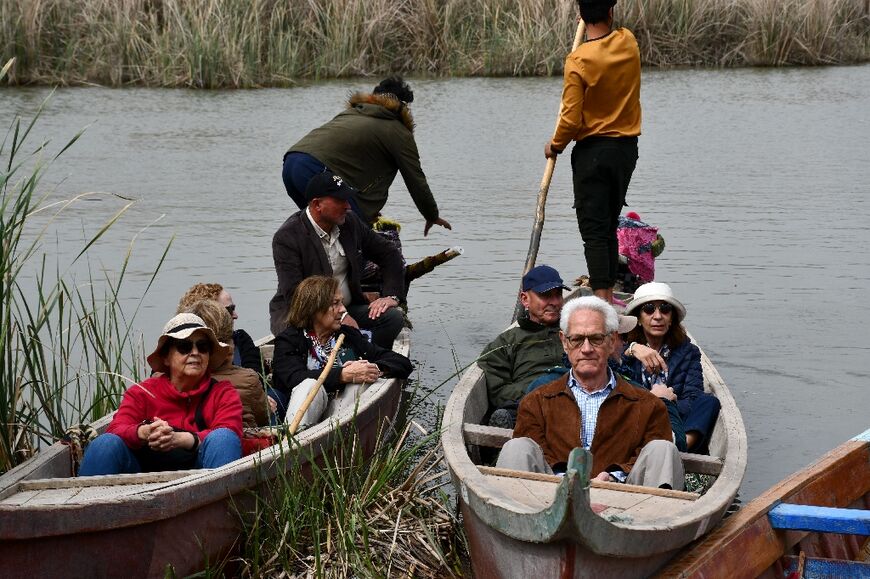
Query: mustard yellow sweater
x,y
601,94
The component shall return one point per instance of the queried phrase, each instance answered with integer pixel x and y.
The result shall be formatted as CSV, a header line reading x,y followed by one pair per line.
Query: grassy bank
x,y
66,348
246,43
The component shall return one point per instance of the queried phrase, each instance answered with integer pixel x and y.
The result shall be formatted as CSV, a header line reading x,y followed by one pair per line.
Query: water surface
x,y
758,180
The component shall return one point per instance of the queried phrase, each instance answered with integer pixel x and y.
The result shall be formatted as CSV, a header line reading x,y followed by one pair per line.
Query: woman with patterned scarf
x,y
302,350
664,360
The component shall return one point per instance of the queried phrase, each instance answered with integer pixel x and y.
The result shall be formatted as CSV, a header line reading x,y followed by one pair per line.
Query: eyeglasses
x,y
577,340
649,308
231,309
185,347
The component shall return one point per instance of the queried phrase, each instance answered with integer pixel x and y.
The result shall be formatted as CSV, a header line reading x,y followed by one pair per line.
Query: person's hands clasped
x,y
380,305
162,437
359,371
652,361
664,391
605,477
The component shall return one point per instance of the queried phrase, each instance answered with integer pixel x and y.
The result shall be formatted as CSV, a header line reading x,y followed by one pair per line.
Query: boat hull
x,y
186,523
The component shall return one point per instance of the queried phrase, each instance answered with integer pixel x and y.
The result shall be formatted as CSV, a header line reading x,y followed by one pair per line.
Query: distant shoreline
x,y
268,43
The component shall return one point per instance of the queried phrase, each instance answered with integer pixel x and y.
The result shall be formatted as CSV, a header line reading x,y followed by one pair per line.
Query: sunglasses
x,y
185,347
231,308
577,340
649,308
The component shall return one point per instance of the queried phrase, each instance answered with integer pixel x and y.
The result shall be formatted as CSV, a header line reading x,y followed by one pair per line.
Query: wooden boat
x,y
815,523
55,525
533,525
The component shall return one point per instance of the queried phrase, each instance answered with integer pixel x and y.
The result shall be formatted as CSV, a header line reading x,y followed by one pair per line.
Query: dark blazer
x,y
298,253
290,361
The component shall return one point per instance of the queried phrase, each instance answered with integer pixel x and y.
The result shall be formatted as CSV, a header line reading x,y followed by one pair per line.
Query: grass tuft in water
x,y
382,515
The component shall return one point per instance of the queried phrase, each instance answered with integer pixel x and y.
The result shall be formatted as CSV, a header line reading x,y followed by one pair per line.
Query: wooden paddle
x,y
535,241
316,388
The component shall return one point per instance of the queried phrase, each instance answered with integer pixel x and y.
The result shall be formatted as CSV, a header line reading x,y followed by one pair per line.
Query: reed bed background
x,y
67,350
249,43
382,517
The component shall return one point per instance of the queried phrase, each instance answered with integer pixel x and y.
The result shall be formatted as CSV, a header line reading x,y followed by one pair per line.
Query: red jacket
x,y
157,398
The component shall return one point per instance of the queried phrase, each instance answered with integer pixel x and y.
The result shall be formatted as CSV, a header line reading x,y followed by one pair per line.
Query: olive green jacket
x,y
516,357
367,144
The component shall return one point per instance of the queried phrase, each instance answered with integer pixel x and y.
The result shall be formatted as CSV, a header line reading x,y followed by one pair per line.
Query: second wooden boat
x,y
815,523
138,525
531,525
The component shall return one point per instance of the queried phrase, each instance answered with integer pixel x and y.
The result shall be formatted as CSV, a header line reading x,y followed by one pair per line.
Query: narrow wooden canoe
x,y
756,543
543,526
54,525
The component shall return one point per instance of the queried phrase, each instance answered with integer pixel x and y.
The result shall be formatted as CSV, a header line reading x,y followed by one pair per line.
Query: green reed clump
x,y
65,343
247,43
355,516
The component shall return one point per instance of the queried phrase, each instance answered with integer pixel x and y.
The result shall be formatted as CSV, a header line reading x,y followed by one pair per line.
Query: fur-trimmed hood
x,y
385,100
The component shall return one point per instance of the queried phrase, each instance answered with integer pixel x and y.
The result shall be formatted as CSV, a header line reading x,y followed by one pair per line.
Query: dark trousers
x,y
298,170
602,169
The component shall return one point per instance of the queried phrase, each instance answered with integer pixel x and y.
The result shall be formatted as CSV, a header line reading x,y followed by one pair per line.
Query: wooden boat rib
x,y
52,524
749,544
519,526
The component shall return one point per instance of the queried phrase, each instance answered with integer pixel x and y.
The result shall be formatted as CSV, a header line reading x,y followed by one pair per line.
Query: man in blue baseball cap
x,y
524,353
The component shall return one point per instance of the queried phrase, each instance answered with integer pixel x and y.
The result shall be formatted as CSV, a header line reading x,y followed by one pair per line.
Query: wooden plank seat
x,y
622,487
494,437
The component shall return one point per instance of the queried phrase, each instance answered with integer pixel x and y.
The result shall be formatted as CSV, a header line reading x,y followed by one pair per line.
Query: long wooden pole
x,y
535,241
314,390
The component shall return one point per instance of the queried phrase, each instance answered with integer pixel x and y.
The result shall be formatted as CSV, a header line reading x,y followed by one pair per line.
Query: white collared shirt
x,y
335,255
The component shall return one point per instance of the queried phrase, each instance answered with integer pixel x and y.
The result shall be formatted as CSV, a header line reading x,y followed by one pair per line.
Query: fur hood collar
x,y
387,101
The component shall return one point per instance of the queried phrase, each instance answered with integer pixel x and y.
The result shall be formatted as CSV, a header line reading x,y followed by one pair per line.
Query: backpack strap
x,y
197,417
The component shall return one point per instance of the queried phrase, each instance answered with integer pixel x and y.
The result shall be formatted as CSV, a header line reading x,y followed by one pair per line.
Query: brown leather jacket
x,y
628,419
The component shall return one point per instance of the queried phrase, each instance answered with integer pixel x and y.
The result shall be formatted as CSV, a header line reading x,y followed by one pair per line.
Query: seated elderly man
x,y
625,428
527,351
327,239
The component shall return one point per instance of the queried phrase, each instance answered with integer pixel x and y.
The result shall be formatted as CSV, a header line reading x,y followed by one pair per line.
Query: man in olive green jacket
x,y
528,350
367,144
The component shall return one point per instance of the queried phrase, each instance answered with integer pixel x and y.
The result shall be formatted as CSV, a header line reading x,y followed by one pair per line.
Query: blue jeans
x,y
281,399
109,454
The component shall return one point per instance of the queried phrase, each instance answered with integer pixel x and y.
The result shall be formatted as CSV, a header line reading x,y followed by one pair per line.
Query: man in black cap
x,y
601,112
326,238
528,351
368,143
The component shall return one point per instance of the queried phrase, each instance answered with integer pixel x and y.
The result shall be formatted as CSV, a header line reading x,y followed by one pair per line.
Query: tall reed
x,y
66,348
247,43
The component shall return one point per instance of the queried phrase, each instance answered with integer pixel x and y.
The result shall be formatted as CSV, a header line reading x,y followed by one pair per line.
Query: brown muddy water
x,y
758,180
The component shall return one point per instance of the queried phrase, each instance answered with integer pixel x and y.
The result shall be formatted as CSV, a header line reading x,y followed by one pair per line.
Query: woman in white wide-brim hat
x,y
178,419
663,359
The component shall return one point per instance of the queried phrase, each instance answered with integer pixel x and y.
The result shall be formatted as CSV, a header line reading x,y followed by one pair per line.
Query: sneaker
x,y
503,418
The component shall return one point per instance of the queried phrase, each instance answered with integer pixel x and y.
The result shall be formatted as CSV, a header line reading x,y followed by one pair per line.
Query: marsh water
x,y
758,179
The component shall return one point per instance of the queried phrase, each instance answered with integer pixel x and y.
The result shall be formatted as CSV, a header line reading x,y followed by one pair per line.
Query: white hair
x,y
591,303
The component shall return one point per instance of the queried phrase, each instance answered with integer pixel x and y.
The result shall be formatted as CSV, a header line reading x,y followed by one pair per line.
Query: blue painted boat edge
x,y
816,567
788,516
863,437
